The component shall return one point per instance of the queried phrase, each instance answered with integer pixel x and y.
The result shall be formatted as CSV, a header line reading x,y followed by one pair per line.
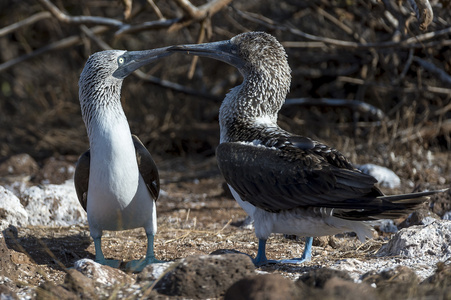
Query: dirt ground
x,y
196,216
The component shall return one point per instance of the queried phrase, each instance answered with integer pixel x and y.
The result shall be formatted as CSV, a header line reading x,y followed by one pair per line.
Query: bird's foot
x,y
109,262
296,261
139,265
262,262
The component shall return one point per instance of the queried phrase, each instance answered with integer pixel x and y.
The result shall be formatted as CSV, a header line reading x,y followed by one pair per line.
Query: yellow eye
x,y
121,60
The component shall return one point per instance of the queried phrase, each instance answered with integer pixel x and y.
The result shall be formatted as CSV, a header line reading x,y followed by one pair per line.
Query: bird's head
x,y
118,64
248,52
104,71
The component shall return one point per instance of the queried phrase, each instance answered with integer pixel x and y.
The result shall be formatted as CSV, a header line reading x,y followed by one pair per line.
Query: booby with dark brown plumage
x,y
287,183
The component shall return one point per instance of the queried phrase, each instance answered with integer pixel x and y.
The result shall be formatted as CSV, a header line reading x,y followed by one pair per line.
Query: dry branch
x,y
442,75
86,20
28,21
61,44
355,105
412,42
196,14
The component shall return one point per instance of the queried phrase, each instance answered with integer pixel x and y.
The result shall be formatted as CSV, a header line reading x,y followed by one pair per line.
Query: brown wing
x,y
147,168
266,178
81,178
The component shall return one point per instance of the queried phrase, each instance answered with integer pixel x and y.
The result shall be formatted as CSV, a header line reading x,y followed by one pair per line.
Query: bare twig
x,y
433,89
423,11
197,13
156,9
173,86
411,42
151,25
61,44
200,40
406,66
200,13
445,77
28,21
86,20
96,39
356,105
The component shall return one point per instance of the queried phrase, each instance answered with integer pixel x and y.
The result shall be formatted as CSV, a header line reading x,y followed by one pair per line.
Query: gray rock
x,y
20,164
11,210
53,205
418,241
79,284
268,287
7,267
152,272
318,277
102,276
207,276
385,177
7,293
55,171
419,217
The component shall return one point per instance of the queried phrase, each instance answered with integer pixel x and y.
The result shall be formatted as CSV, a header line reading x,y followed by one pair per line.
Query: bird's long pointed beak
x,y
133,60
223,51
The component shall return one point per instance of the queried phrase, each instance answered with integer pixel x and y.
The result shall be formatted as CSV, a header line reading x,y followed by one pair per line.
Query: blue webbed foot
x,y
139,265
261,259
109,262
101,259
306,256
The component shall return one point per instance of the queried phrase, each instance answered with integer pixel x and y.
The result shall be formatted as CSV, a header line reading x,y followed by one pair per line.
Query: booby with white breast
x,y
116,180
287,183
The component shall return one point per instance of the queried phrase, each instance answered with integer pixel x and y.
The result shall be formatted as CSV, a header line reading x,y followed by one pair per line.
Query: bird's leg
x,y
306,256
99,255
138,265
261,259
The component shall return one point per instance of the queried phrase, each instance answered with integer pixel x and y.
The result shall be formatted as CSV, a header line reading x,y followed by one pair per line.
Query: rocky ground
x,y
46,250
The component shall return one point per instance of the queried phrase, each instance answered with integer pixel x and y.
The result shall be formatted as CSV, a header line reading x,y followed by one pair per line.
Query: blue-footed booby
x,y
116,180
287,183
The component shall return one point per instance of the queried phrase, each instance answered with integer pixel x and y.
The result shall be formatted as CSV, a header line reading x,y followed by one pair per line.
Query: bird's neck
x,y
106,123
253,104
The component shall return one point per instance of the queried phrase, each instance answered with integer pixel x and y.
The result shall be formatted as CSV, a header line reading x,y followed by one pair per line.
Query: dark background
x,y
40,112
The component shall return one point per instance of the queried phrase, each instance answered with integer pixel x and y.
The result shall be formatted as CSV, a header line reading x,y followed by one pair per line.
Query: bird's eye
x,y
121,60
234,49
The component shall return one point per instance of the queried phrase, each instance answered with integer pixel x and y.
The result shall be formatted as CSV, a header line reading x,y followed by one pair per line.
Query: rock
x,y
80,285
102,276
385,177
317,278
419,217
20,164
53,205
441,202
11,210
396,283
417,241
50,291
391,276
152,272
332,284
7,267
441,278
55,172
386,225
268,287
6,293
207,276
339,288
